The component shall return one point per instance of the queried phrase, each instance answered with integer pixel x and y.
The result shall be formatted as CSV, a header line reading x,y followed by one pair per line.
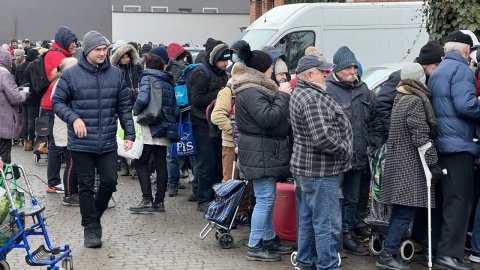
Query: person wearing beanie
x,y
92,127
206,80
173,66
176,51
64,46
19,55
146,48
357,101
261,114
454,101
322,151
413,124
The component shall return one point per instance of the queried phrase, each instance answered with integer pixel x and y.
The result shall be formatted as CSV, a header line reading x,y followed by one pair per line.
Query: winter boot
x,y
259,253
275,246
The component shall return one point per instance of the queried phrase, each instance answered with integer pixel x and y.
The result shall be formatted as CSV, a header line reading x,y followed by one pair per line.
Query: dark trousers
x,y
351,194
92,207
400,218
209,163
141,165
453,201
30,112
70,182
6,150
54,153
363,198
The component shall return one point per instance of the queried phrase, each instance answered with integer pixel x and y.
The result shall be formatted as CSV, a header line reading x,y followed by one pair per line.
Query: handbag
x,y
186,146
153,111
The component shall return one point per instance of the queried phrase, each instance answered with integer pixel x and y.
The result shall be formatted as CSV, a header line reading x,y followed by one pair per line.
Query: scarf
x,y
415,87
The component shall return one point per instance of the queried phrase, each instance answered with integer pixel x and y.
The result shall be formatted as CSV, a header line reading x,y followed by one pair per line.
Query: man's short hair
x,y
456,47
153,61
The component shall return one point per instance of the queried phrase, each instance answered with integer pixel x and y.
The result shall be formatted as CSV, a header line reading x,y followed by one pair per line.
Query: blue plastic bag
x,y
186,146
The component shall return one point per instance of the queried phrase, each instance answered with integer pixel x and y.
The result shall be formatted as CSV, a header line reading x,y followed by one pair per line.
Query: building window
x,y
185,10
210,10
132,8
159,9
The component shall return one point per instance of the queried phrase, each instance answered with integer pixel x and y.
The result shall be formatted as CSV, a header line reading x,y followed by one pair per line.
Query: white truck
x,y
377,33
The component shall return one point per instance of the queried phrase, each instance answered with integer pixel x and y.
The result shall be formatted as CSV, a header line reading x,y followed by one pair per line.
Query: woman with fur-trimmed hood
x,y
125,57
261,112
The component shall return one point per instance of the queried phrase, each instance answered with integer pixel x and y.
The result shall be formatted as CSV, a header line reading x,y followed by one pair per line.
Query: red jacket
x,y
51,61
11,50
47,98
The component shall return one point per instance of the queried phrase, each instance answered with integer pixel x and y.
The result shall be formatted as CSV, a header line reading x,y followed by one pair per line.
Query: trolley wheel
x,y
225,241
407,250
219,232
293,258
376,245
4,265
67,263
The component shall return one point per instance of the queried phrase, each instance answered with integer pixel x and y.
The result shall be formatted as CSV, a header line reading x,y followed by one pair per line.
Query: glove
x,y
437,172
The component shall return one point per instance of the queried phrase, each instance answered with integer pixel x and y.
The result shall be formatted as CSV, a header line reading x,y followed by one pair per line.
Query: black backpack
x,y
38,75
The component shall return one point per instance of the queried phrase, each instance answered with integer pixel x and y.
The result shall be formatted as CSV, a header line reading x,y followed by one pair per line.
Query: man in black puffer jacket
x,y
203,89
89,97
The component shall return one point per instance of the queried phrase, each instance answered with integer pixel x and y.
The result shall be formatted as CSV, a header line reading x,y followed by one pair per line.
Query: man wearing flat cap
x,y
89,97
322,150
454,101
357,102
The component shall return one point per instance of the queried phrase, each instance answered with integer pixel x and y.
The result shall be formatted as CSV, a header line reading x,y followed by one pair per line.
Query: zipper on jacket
x,y
99,94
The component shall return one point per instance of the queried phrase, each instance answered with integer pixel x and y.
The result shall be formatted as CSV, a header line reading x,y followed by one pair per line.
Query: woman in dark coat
x,y
404,183
261,113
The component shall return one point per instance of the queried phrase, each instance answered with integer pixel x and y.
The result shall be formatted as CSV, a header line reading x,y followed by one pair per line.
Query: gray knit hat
x,y
344,58
93,39
413,71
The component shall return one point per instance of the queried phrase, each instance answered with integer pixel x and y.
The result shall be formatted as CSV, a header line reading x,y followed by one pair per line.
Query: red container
x,y
284,218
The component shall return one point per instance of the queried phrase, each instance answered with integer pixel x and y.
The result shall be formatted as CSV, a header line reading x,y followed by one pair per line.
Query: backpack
x,y
214,131
181,86
38,75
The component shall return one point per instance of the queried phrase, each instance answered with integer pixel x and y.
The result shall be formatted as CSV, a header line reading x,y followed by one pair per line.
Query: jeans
x,y
209,163
351,194
262,216
30,112
400,218
70,182
92,207
141,165
319,222
54,153
173,170
476,230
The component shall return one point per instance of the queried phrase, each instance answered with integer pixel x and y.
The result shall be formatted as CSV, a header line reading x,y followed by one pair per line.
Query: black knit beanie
x,y
146,48
431,53
259,60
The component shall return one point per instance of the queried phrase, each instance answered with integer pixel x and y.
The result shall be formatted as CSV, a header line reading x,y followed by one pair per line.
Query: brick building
x,y
259,7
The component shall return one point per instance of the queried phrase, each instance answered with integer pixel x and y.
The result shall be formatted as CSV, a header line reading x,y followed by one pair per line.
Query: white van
x,y
376,32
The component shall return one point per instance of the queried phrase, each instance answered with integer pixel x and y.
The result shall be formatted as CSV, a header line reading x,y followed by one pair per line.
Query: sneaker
x,y
91,239
73,200
242,220
259,253
145,206
350,244
475,256
203,207
158,206
172,192
184,174
193,198
56,189
111,203
390,262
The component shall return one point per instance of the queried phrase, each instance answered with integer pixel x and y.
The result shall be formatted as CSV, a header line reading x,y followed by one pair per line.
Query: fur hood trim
x,y
244,77
115,60
216,50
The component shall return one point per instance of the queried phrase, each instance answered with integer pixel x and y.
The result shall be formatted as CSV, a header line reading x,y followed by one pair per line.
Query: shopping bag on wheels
x,y
186,146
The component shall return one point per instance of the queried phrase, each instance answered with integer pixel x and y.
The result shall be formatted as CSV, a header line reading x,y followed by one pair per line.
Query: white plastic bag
x,y
137,148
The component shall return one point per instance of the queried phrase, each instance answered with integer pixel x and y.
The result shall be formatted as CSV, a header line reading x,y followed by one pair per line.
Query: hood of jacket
x,y
275,55
5,60
165,76
244,77
64,37
125,49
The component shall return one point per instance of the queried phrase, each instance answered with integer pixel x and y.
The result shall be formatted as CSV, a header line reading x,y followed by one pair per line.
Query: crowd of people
x,y
316,128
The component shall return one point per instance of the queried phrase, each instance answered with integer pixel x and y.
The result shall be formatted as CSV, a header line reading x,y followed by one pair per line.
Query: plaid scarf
x,y
415,87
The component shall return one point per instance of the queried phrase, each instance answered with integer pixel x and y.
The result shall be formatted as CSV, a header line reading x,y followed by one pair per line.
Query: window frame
x,y
211,8
132,6
152,7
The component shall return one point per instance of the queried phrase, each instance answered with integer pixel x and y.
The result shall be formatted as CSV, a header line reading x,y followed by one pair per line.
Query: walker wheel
x,y
293,258
225,241
219,232
37,158
4,265
376,245
407,250
67,263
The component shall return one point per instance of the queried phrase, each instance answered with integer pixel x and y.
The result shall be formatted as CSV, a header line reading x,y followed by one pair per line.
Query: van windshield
x,y
257,38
